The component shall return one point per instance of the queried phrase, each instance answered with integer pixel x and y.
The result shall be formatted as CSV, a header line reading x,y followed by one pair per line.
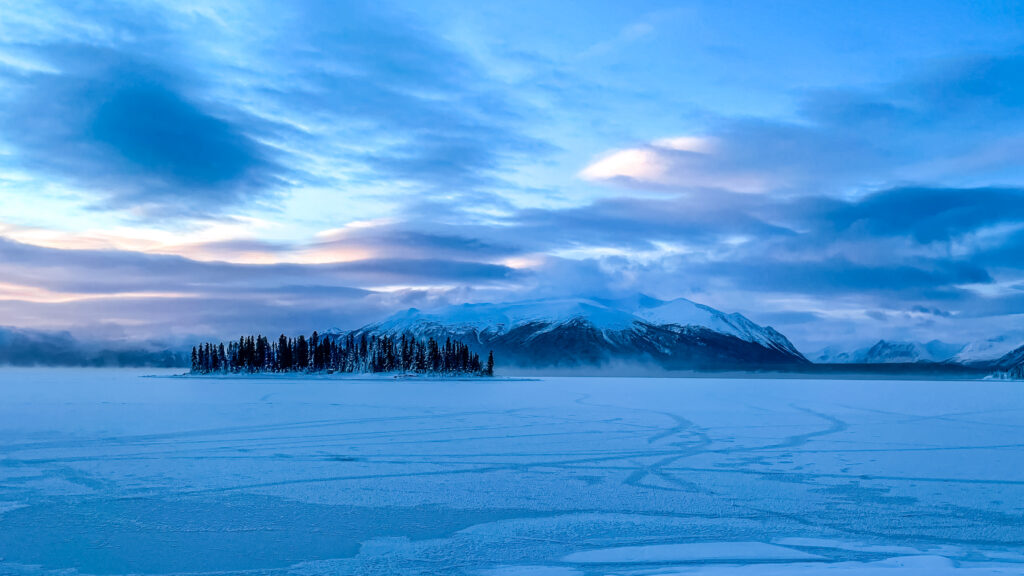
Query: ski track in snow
x,y
104,472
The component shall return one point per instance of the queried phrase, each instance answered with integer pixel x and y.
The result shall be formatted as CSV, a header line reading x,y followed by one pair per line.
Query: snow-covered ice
x,y
107,472
694,552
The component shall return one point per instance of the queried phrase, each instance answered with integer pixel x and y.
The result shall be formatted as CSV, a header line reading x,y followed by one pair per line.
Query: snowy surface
x,y
104,472
700,552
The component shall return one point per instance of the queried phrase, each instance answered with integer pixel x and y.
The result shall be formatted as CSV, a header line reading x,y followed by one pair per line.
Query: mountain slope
x,y
990,351
1011,365
677,334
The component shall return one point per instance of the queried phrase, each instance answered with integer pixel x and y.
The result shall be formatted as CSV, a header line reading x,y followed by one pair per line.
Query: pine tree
x,y
222,359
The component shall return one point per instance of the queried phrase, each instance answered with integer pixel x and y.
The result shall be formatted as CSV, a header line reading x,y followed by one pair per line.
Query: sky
x,y
844,172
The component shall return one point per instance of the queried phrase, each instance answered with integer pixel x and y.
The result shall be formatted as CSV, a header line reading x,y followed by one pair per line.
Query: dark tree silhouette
x,y
334,353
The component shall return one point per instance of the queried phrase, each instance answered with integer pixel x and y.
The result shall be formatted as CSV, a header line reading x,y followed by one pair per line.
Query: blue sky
x,y
842,172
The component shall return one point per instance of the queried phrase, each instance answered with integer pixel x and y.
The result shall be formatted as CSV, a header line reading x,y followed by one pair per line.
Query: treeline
x,y
366,354
1012,373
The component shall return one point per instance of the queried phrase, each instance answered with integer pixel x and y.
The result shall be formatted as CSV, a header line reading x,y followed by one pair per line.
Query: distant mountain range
x,y
577,332
19,347
591,333
888,352
991,352
998,355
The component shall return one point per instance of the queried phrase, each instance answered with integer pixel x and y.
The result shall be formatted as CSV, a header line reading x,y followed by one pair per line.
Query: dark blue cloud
x,y
161,134
962,85
127,132
839,276
452,242
406,271
638,223
789,318
927,214
930,310
1005,254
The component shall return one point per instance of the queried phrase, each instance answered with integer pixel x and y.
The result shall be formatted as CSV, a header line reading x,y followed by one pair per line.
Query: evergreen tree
x,y
284,350
301,353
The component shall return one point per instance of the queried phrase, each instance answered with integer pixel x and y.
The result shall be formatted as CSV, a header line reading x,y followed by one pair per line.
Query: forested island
x,y
339,354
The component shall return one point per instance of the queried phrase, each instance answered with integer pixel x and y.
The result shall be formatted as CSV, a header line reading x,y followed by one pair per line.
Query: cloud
x,y
938,214
956,123
89,272
629,34
389,241
399,103
776,259
156,130
166,112
894,250
868,203
637,164
686,162
163,296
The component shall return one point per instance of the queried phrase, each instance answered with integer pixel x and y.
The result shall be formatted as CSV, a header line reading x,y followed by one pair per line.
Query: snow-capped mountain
x,y
676,334
835,355
889,352
989,351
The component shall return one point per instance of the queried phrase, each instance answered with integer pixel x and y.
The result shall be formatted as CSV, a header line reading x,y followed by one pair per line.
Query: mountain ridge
x,y
573,332
889,352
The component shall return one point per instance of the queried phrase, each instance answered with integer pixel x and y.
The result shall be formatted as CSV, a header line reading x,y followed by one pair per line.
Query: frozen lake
x,y
105,472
